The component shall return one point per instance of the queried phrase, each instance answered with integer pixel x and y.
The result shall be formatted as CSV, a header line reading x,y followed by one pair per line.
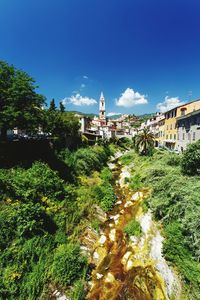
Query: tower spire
x,y
102,109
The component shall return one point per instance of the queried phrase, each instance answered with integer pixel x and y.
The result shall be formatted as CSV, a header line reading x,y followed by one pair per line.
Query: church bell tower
x,y
102,109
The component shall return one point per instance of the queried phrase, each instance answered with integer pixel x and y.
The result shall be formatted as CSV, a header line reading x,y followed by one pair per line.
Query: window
x,y
189,136
183,113
174,136
166,136
170,136
193,136
167,127
178,136
171,126
183,136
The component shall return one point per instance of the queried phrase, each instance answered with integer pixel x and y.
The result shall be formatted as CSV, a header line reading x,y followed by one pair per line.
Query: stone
x,y
102,239
99,276
110,277
112,234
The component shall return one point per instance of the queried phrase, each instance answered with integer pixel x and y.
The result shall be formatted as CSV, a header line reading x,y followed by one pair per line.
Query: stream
x,y
130,268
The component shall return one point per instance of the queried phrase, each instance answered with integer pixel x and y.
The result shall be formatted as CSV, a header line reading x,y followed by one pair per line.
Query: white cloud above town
x,y
79,100
83,85
131,98
110,114
169,103
85,77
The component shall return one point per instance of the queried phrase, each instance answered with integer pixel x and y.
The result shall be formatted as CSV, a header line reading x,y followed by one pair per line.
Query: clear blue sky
x,y
82,47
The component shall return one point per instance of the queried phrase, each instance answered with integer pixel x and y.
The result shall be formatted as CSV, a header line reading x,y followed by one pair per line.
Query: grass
x,y
133,228
175,201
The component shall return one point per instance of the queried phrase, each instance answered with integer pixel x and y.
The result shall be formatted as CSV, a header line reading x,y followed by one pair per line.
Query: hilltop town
x,y
174,129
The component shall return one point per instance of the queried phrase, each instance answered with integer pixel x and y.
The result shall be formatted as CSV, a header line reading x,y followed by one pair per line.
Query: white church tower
x,y
102,108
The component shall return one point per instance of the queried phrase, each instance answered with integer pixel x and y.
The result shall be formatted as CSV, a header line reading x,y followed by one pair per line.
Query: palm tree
x,y
144,141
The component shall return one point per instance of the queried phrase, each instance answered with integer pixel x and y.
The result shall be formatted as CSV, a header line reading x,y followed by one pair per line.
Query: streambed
x,y
130,268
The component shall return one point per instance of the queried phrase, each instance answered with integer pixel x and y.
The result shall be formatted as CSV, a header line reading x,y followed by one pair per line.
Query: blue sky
x,y
138,52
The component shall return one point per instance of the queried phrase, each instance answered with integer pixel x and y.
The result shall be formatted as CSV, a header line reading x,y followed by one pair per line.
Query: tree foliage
x,y
144,141
20,104
191,159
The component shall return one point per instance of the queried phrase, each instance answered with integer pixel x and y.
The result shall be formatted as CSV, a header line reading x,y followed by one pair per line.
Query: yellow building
x,y
161,133
170,127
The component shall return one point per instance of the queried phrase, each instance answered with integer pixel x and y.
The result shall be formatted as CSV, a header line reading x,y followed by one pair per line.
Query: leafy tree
x,y
62,107
144,141
20,105
191,159
52,106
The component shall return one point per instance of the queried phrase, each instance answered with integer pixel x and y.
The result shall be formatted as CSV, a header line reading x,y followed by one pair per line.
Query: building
x,y
161,132
102,108
188,127
171,138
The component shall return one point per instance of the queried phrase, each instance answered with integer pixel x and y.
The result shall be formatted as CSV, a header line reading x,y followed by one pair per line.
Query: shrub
x,y
176,251
105,195
174,160
68,264
106,174
191,159
32,184
135,182
133,228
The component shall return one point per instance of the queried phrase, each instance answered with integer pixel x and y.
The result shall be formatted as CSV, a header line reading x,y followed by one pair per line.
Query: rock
x,y
102,239
99,214
128,204
112,234
135,197
110,277
99,276
146,222
126,257
118,202
96,255
134,239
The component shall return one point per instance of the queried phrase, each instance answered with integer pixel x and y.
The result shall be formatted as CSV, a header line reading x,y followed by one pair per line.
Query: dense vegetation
x,y
175,201
42,217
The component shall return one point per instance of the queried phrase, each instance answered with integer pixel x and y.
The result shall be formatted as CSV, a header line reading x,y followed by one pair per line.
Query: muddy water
x,y
124,269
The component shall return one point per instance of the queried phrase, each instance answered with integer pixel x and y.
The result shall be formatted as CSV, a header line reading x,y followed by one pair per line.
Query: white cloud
x,y
169,103
85,77
131,98
79,100
83,85
113,114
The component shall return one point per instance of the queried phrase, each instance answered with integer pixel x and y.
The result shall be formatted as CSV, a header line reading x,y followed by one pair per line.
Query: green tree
x,y
20,104
52,106
144,141
191,159
62,107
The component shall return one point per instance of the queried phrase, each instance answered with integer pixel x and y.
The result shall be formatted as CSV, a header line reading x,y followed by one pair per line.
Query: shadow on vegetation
x,y
24,153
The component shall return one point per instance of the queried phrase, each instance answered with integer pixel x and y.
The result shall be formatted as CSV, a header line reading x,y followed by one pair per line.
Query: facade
x,y
188,127
172,117
161,132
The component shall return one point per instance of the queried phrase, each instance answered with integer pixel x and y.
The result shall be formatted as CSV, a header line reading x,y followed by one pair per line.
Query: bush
x,y
105,195
174,160
31,184
177,252
133,228
68,264
191,159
